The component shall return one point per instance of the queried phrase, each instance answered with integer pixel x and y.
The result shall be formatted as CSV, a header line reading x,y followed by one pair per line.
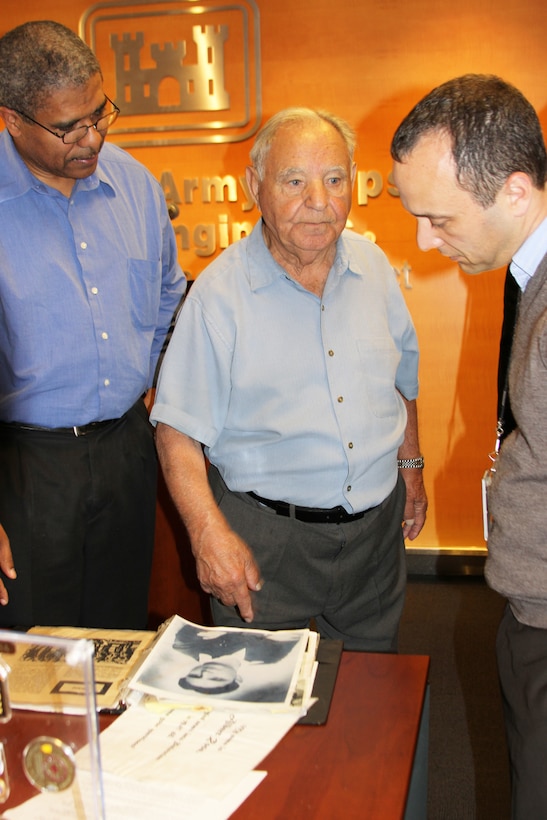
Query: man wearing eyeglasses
x,y
89,283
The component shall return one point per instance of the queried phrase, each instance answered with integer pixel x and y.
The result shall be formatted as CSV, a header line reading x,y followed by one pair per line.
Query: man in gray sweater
x,y
470,164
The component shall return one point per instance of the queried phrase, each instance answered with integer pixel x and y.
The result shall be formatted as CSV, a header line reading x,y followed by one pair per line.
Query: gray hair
x,y
38,58
289,116
494,131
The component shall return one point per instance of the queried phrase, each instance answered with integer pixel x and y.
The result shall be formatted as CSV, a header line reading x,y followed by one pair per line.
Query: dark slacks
x,y
349,578
522,664
80,514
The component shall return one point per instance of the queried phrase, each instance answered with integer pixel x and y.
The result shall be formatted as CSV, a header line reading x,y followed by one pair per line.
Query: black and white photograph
x,y
195,663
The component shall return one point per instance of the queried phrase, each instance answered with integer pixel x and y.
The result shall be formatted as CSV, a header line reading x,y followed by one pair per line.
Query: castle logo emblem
x,y
180,73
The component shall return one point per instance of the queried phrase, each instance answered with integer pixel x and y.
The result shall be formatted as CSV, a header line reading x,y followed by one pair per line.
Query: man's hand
x,y
6,564
227,570
416,502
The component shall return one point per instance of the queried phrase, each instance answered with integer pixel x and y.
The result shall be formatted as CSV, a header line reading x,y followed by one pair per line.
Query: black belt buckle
x,y
86,429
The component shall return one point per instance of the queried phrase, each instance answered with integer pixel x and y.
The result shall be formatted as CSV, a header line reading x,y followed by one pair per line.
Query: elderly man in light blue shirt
x,y
294,362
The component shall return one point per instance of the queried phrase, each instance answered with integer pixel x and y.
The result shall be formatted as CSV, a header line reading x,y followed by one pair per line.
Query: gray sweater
x,y
517,545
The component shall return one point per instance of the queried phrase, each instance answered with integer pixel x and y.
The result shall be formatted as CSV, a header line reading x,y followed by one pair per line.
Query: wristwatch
x,y
416,463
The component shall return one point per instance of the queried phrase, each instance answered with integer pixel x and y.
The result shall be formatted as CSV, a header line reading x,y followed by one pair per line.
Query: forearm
x,y
184,469
416,497
410,448
225,565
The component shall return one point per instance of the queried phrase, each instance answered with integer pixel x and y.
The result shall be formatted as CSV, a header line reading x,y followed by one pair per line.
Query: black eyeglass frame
x,y
114,114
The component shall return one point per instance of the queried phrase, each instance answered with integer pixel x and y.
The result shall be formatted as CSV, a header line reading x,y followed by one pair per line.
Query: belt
x,y
312,515
82,430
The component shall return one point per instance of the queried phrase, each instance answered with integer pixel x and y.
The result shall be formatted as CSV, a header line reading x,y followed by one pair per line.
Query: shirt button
x,y
94,291
340,399
83,245
106,382
104,335
331,352
350,445
348,488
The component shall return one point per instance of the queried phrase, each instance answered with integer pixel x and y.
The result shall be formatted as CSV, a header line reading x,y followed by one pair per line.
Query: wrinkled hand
x,y
227,570
416,503
6,564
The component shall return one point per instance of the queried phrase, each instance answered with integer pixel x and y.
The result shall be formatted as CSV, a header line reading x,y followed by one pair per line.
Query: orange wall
x,y
370,62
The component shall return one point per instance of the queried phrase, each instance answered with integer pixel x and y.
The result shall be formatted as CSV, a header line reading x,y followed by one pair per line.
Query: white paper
x,y
127,800
207,751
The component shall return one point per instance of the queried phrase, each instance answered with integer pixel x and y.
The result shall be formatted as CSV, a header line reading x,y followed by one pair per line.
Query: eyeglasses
x,y
101,124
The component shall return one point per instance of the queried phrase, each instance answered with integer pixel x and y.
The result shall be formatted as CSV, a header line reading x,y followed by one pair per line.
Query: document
x,y
226,667
210,751
42,679
125,800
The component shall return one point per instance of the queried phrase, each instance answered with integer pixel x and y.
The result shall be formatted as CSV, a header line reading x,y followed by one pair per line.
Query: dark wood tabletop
x,y
357,765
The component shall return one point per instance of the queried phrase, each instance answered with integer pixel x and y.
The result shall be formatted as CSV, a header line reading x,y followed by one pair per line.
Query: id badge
x,y
486,520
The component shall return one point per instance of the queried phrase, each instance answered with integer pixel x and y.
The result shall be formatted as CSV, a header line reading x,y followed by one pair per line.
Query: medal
x,y
49,764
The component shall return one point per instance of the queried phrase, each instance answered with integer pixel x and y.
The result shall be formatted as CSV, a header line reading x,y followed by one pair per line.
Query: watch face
x,y
49,764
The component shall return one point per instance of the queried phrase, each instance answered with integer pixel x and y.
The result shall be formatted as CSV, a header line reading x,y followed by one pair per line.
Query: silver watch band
x,y
416,463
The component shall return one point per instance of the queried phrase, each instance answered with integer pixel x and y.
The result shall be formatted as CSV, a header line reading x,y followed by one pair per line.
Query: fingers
x,y
408,523
413,526
241,600
6,564
232,583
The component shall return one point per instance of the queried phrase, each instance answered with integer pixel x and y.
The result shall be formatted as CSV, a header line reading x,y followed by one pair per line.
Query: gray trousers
x,y
349,578
522,664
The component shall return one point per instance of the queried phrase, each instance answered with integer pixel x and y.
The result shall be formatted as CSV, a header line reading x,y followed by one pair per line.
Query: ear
x,y
253,183
518,189
12,120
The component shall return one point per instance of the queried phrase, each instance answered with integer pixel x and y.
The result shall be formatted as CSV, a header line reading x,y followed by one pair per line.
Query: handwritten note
x,y
208,751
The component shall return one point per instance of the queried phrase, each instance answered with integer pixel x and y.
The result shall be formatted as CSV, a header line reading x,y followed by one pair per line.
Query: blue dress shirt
x,y
88,287
295,396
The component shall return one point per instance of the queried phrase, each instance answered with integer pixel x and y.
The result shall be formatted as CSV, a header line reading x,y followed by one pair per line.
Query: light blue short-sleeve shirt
x,y
295,397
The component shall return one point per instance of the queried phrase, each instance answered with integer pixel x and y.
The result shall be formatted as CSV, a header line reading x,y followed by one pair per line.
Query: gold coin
x,y
49,764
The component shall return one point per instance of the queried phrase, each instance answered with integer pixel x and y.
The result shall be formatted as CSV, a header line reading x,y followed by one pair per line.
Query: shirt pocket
x,y
145,285
379,360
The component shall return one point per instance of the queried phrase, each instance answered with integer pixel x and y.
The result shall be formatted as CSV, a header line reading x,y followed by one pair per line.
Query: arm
x,y
225,565
416,498
6,564
173,288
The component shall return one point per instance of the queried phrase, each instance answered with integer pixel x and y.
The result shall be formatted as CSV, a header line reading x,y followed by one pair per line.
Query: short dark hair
x,y
222,689
494,130
38,58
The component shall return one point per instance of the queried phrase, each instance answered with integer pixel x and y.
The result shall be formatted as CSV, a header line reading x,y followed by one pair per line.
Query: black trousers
x,y
80,516
522,665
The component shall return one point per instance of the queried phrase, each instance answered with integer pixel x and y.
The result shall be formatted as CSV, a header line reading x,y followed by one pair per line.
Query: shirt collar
x,y
526,260
16,178
263,269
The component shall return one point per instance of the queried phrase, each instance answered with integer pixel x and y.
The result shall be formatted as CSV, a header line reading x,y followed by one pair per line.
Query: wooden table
x,y
369,761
